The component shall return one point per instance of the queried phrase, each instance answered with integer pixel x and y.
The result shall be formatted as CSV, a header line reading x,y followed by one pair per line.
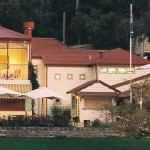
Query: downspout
x,y
96,72
46,84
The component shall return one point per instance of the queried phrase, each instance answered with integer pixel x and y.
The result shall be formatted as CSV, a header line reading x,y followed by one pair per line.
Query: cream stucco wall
x,y
89,114
112,79
63,85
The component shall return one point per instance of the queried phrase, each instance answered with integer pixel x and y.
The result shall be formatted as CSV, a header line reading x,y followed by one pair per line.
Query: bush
x,y
26,121
134,121
61,116
98,123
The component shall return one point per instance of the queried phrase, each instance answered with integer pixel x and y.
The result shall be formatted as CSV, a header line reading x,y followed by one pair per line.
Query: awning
x,y
22,88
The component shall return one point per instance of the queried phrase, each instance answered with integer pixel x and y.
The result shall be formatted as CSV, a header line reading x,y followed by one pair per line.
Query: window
x,y
111,70
57,100
128,70
57,76
12,104
69,76
103,70
121,70
74,102
96,103
82,77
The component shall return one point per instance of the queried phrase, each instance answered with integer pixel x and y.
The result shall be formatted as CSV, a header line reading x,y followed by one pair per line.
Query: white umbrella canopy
x,y
7,92
143,67
43,92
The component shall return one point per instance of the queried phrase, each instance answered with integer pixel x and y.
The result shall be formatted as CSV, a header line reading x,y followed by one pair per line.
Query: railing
x,y
14,71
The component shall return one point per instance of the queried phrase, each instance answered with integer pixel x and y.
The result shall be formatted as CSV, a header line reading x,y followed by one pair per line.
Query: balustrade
x,y
14,71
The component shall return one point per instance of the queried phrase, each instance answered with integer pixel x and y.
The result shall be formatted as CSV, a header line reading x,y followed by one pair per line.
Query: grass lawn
x,y
108,143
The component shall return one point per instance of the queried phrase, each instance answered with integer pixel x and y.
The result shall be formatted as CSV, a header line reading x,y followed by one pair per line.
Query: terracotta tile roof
x,y
54,52
133,80
89,83
40,44
116,92
70,58
103,94
7,34
67,59
120,57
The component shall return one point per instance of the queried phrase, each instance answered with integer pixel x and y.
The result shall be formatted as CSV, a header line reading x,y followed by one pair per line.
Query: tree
x,y
141,93
34,82
135,120
78,28
104,23
11,14
33,76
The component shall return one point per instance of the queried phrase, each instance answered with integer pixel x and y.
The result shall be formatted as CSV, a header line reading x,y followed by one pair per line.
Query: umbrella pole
x,y
42,107
38,107
46,107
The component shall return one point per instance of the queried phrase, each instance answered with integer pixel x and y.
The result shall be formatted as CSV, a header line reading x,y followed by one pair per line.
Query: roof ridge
x,y
128,81
89,83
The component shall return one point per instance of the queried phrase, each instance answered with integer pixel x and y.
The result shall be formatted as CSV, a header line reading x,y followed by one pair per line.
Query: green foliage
x,y
33,76
61,116
134,121
26,121
34,82
135,118
104,23
141,91
96,123
99,124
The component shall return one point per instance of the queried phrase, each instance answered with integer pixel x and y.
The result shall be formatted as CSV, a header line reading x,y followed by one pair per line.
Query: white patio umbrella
x,y
7,92
143,67
43,92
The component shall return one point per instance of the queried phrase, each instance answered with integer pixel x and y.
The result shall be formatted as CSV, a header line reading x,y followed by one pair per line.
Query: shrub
x,y
26,121
134,121
60,116
98,123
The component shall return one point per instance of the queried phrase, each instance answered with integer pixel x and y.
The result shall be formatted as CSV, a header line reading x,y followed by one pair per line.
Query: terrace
x,y
14,58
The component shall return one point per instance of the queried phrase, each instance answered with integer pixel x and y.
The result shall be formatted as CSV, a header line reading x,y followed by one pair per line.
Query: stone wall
x,y
57,132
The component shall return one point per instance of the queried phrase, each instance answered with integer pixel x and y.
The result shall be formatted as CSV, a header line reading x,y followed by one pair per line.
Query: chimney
x,y
28,27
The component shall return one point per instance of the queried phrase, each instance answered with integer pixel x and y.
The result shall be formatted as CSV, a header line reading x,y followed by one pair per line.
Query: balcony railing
x,y
14,71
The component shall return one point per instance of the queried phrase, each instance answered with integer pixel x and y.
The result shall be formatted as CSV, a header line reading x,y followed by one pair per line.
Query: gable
x,y
97,87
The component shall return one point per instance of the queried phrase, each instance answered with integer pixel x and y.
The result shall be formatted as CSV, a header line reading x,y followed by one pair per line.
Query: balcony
x,y
14,71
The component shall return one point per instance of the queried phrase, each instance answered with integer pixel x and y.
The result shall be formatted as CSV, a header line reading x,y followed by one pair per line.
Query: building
x,y
89,80
14,59
92,78
142,47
